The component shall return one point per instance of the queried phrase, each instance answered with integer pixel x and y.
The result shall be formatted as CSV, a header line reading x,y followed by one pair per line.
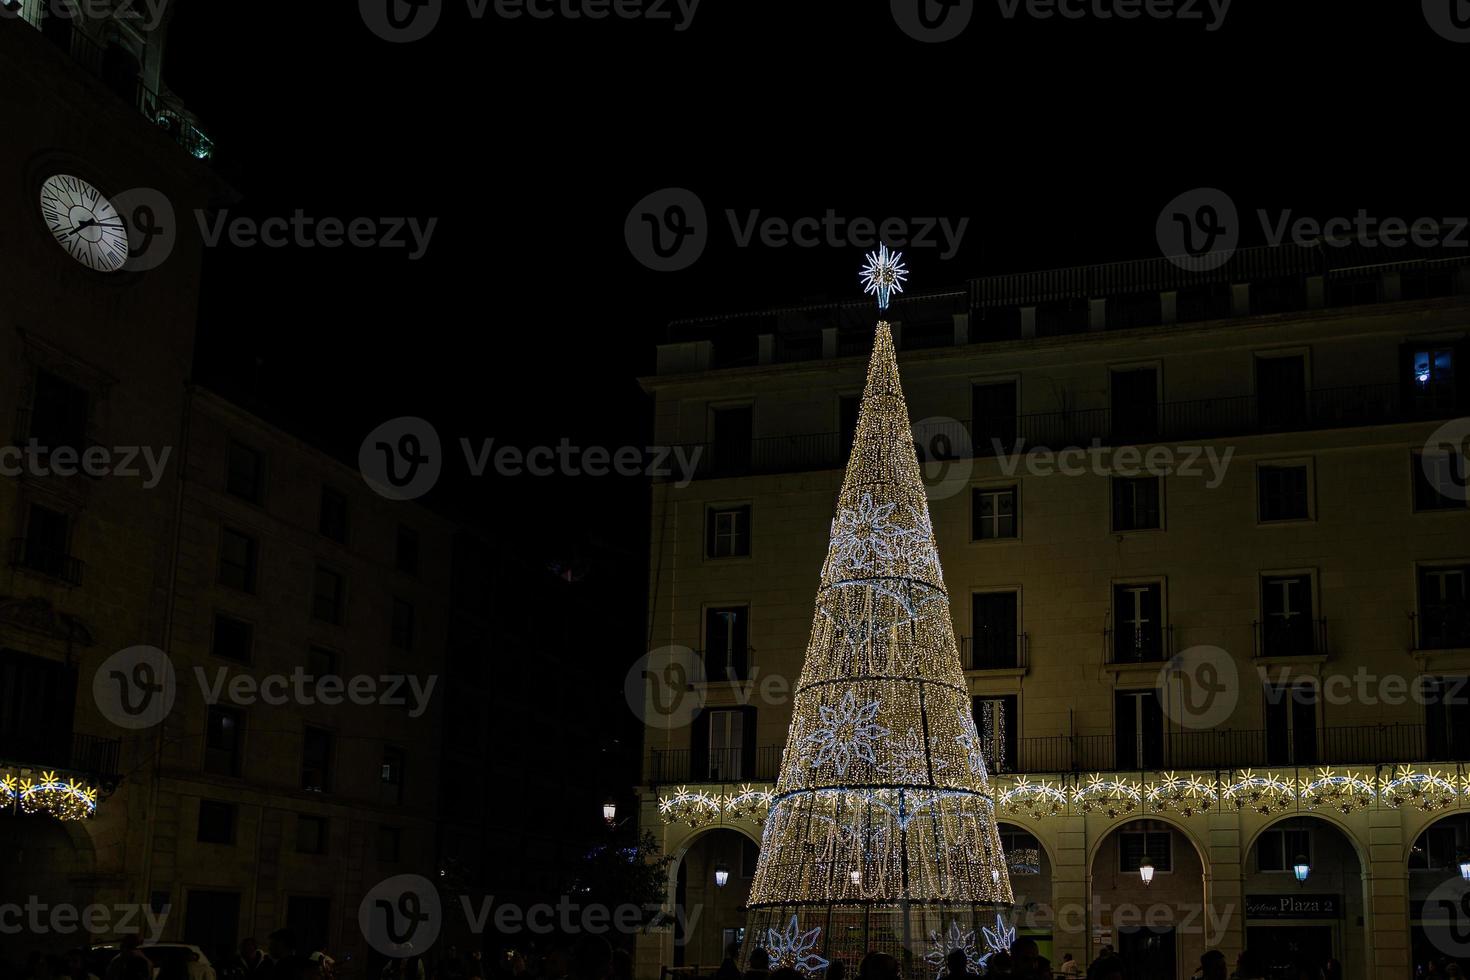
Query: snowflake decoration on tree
x,y
908,760
942,944
1002,938
848,732
883,275
969,740
863,535
795,948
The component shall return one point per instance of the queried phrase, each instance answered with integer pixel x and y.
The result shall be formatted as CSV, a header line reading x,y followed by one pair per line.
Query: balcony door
x,y
1291,724
1139,724
730,438
1286,602
993,622
996,721
1138,632
1135,405
1447,717
1281,391
722,745
37,704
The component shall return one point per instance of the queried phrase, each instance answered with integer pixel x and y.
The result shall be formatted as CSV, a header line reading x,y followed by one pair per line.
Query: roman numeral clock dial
x,y
84,223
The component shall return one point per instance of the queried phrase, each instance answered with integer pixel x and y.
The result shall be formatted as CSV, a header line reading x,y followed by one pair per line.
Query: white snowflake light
x,y
848,732
941,944
883,275
795,948
1000,939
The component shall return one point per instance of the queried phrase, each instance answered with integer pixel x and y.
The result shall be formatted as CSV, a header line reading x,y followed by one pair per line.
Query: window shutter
x,y
740,656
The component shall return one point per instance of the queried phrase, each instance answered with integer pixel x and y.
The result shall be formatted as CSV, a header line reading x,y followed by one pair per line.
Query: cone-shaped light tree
x,y
881,834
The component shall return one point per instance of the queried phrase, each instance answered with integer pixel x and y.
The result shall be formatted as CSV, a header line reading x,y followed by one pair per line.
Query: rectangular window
x,y
1291,724
1444,607
1288,628
316,760
237,560
216,822
406,551
224,734
730,440
321,662
996,722
233,638
1156,845
391,775
726,638
326,596
333,518
994,511
993,617
1431,375
1134,400
58,413
1281,391
1277,849
727,532
1138,629
726,742
1136,503
46,545
403,624
311,834
1282,494
245,477
1446,717
390,845
1139,728
1439,479
993,417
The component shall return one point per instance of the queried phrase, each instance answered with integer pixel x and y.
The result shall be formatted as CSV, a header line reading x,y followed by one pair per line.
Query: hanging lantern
x,y
1301,868
610,810
1465,865
856,876
1146,871
722,875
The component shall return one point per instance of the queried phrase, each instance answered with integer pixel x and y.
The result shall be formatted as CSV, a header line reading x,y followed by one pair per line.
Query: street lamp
x,y
1146,871
1465,865
610,811
856,876
722,876
1301,868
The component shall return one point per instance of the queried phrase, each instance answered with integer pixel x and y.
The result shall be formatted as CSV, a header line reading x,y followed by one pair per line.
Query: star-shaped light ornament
x,y
883,275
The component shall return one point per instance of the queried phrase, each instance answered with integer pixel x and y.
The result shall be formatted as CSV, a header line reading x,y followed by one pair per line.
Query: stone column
x,y
1223,918
1387,908
1072,921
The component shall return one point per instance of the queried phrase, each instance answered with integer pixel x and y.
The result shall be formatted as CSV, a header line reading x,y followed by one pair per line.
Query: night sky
x,y
530,140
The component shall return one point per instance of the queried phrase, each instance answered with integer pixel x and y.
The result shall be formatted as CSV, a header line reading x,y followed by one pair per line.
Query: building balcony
x,y
1445,628
52,562
1130,645
1297,637
92,756
1165,422
714,766
995,651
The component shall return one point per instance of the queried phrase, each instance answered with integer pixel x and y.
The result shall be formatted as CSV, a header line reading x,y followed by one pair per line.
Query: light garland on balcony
x,y
69,800
1267,794
693,808
748,803
1186,797
1035,800
1111,797
1344,792
1428,791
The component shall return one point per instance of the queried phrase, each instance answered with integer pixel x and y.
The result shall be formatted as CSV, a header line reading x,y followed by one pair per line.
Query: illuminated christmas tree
x,y
881,834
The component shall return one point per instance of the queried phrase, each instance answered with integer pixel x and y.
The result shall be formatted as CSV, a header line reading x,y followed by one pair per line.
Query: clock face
x,y
84,223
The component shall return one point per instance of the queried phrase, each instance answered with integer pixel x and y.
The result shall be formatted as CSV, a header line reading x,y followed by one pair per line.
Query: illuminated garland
x,y
748,804
1428,791
69,800
1267,794
1186,797
1111,797
1343,792
692,808
1035,800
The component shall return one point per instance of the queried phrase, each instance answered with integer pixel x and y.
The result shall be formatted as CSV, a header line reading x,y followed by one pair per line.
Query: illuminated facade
x,y
1208,586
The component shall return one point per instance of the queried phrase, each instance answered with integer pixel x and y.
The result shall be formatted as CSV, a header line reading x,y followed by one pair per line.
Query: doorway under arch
x,y
710,917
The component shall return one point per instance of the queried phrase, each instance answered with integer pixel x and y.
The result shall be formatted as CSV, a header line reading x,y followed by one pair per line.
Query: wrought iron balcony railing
x,y
995,651
1440,628
714,765
1130,645
1198,419
1295,637
89,755
25,553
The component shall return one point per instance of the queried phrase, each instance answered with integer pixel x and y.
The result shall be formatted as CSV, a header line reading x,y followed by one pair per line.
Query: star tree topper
x,y
884,274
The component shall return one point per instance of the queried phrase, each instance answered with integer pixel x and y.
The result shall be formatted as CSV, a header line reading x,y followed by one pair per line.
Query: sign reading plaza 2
x,y
1293,906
